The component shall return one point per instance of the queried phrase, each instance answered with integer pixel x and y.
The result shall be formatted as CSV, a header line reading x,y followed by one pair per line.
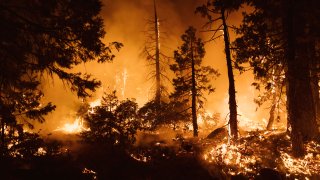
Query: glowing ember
x,y
140,158
259,150
91,172
73,128
41,152
308,165
228,155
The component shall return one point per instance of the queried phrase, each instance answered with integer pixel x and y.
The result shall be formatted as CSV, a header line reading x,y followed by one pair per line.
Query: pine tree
x,y
113,123
280,23
39,37
266,61
216,11
192,78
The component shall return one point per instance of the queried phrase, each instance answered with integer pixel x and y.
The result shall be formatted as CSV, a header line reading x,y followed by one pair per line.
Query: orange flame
x,y
73,128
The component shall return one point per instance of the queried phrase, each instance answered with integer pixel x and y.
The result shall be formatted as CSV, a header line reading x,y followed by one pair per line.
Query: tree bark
x,y
296,137
276,92
271,113
157,56
301,111
194,94
315,79
233,123
3,144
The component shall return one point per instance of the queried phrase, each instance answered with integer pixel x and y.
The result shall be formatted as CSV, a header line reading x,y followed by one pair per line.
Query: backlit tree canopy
x,y
46,37
113,123
192,78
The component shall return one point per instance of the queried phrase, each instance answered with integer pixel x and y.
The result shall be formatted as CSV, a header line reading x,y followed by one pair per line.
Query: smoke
x,y
125,22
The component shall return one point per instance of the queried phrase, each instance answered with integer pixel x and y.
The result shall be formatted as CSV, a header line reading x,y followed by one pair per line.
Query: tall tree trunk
x,y
315,66
157,56
276,91
3,144
301,111
194,94
316,96
306,101
2,118
233,123
296,136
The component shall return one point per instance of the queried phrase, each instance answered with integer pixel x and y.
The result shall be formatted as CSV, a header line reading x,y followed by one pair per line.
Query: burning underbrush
x,y
163,144
259,153
166,152
264,154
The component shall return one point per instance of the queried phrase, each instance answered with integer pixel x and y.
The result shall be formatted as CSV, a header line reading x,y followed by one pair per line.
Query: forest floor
x,y
260,154
257,155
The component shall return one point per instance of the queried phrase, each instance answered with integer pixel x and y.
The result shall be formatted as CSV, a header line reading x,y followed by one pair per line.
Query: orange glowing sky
x,y
125,21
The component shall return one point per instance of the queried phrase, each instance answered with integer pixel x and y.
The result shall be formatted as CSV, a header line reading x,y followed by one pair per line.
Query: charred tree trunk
x,y
194,95
301,111
3,144
287,101
2,115
315,63
316,95
275,102
271,113
233,123
296,136
305,102
157,56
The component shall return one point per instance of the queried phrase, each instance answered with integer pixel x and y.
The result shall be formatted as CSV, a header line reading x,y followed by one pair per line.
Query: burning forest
x,y
159,89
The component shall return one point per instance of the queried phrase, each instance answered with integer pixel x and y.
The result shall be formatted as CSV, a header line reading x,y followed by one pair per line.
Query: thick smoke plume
x,y
126,21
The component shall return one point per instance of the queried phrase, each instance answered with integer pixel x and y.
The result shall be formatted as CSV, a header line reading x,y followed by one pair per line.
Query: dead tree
x,y
155,57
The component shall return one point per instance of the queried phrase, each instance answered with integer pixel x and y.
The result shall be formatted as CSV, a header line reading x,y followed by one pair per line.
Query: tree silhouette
x,y
51,37
215,11
158,62
286,28
155,56
113,123
191,77
266,60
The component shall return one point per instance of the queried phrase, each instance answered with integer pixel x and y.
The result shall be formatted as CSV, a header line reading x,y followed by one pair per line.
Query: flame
x,y
121,81
91,172
207,118
249,124
41,151
307,165
95,103
207,121
124,79
226,153
73,128
250,154
140,158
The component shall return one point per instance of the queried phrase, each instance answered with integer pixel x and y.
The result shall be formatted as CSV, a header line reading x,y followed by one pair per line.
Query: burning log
x,y
218,133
